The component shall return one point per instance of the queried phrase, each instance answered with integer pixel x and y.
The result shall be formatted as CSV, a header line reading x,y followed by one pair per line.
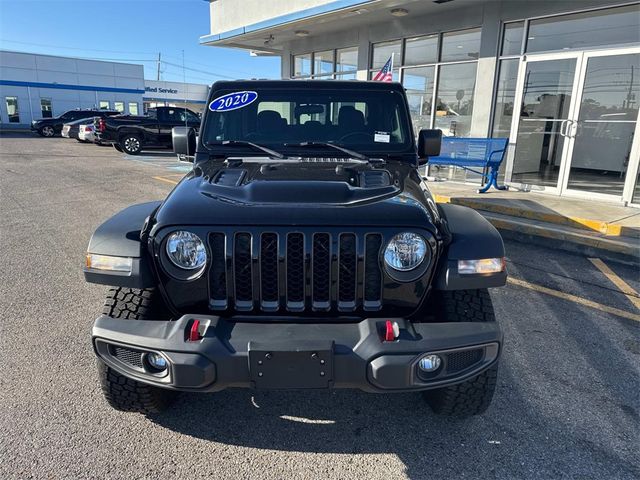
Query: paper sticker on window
x,y
382,137
233,101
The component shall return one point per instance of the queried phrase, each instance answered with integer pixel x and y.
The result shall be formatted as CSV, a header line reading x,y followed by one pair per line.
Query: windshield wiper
x,y
255,146
351,153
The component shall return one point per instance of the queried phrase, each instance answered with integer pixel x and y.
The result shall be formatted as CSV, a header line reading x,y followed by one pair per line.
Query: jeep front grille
x,y
293,271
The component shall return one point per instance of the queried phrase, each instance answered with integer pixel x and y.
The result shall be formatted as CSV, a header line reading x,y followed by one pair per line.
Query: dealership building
x,y
38,86
560,79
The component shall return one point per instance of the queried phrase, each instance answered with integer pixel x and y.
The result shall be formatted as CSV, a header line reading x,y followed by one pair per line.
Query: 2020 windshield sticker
x,y
233,101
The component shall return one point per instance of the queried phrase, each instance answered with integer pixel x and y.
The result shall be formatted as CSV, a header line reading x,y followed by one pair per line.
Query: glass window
x,y
133,108
512,39
365,120
347,59
104,105
323,63
421,50
505,97
12,109
118,106
419,84
382,52
45,107
454,104
346,76
460,46
301,65
615,26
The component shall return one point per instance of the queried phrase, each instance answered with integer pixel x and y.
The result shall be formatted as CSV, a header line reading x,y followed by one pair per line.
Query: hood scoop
x,y
229,177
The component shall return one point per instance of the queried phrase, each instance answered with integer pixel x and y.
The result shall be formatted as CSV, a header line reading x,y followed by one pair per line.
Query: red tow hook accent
x,y
390,331
194,332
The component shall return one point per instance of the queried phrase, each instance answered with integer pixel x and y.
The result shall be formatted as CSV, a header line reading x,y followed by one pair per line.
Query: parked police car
x,y
303,251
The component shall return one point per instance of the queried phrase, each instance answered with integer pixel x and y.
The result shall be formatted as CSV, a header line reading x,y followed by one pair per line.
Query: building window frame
x,y
120,103
44,112
15,118
136,108
326,75
104,105
402,68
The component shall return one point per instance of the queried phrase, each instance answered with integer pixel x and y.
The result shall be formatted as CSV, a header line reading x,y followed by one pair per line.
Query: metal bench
x,y
485,153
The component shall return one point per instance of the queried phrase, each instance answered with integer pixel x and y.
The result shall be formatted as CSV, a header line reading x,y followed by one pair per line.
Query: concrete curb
x,y
589,225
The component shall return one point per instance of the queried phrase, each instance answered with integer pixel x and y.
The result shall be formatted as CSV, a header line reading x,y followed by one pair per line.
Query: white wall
x,y
229,15
52,70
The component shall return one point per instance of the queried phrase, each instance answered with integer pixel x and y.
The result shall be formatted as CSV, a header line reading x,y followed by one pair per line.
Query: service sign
x,y
233,101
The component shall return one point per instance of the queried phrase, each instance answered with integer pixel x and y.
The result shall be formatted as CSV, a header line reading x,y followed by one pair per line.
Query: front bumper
x,y
301,355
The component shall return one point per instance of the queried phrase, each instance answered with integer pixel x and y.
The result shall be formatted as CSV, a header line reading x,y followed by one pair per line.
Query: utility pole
x,y
159,61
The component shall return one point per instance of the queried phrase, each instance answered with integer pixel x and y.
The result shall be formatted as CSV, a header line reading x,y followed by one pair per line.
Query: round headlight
x,y
186,250
405,251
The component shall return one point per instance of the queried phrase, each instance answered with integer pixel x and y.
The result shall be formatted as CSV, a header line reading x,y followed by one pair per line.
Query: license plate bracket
x,y
308,365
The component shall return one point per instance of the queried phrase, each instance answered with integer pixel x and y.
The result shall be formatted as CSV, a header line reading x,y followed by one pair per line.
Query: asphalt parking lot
x,y
567,403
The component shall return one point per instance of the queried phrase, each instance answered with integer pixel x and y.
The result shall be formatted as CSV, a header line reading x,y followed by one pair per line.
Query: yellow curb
x,y
602,243
609,229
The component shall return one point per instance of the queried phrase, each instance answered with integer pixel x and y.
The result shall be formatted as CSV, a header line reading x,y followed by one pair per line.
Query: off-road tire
x,y
120,392
473,396
131,144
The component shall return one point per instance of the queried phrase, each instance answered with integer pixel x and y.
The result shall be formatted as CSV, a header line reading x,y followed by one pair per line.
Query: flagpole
x,y
392,55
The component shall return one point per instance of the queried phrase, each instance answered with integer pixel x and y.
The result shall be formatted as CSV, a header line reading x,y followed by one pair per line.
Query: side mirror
x,y
429,142
184,143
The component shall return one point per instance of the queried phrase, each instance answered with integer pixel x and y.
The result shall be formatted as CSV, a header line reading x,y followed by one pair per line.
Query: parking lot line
x,y
623,286
166,180
575,299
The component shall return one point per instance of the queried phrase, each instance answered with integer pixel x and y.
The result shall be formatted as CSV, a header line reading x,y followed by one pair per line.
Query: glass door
x,y
547,87
604,126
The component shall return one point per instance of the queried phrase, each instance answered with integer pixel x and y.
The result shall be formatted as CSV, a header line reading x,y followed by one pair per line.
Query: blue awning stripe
x,y
65,86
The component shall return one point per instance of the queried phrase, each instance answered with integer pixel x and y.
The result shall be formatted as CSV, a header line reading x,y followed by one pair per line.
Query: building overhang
x,y
269,36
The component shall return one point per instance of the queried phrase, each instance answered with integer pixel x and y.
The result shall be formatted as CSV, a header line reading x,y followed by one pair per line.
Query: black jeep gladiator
x,y
303,251
133,133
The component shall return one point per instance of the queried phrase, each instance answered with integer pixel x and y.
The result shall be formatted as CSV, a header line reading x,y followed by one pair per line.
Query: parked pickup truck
x,y
131,133
302,251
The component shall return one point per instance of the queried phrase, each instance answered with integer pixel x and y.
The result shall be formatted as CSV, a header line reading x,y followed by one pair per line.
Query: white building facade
x,y
560,78
36,86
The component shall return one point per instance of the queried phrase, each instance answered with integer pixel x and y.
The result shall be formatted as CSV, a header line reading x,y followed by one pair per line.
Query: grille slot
x,y
372,272
459,361
321,271
269,271
347,273
218,274
242,271
295,271
284,271
133,358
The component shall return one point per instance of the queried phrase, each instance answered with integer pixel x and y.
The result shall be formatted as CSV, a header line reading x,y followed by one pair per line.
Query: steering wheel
x,y
363,135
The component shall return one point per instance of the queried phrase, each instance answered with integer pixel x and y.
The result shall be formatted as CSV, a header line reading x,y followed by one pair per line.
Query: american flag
x,y
386,73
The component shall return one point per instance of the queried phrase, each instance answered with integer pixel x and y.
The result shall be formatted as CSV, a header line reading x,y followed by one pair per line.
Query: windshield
x,y
369,121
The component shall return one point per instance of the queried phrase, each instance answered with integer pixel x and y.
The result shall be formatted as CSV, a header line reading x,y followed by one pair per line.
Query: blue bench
x,y
485,153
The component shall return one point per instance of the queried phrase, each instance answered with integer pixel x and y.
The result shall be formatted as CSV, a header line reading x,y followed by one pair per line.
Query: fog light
x,y
429,363
156,361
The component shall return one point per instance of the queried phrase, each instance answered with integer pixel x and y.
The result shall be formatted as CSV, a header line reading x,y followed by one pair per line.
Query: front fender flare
x,y
472,237
119,236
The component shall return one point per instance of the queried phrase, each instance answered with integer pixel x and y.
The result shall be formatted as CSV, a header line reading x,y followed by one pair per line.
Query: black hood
x,y
292,192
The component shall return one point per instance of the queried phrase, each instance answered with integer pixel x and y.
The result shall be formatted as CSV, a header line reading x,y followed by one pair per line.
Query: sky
x,y
133,31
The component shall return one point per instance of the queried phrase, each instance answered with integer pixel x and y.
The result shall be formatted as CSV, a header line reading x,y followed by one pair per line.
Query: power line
x,y
73,48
